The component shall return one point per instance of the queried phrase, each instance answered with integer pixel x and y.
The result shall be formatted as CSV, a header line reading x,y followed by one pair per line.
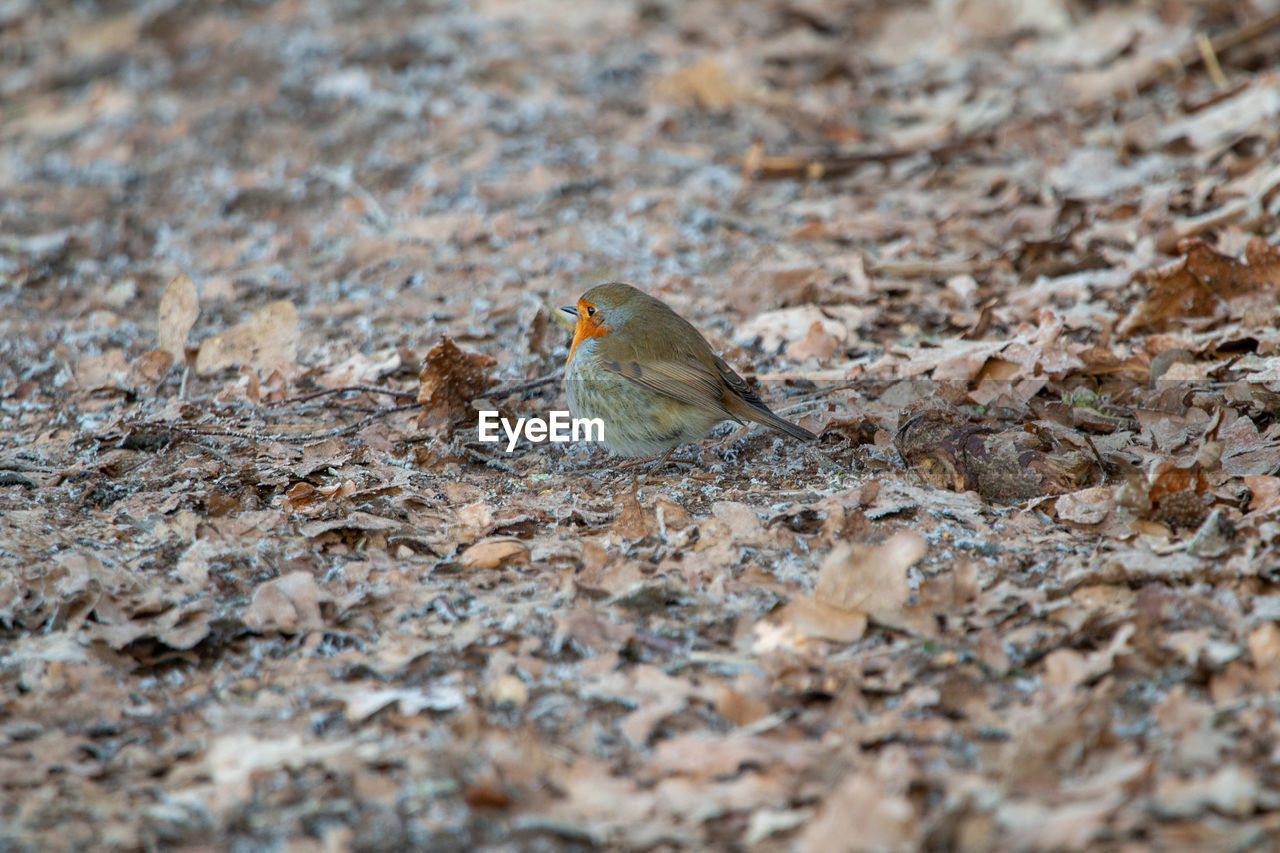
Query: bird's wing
x,y
688,381
737,384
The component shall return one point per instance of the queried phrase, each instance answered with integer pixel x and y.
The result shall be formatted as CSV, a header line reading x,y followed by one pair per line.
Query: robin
x,y
651,377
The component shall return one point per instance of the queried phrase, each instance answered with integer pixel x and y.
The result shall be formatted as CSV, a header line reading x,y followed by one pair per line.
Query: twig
x,y
1210,59
383,411
818,166
1195,54
502,390
348,184
801,401
371,389
1240,35
201,430
1248,209
489,461
923,268
522,386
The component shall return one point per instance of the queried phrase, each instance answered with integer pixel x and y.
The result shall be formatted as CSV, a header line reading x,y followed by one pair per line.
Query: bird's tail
x,y
762,414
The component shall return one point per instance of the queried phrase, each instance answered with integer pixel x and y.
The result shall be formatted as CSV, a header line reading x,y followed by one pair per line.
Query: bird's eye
x,y
591,310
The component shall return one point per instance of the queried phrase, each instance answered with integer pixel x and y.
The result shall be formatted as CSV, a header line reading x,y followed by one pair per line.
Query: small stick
x,y
521,387
348,184
371,389
201,430
490,462
1210,59
1192,55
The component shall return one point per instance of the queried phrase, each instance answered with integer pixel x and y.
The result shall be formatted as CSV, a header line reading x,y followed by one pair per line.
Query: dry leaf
x,y
1013,465
288,604
449,380
495,552
812,618
1088,506
818,343
1200,284
152,365
268,339
179,309
793,327
862,814
109,370
704,84
873,580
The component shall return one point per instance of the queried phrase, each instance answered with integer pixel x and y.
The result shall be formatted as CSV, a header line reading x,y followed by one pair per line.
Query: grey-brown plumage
x,y
651,376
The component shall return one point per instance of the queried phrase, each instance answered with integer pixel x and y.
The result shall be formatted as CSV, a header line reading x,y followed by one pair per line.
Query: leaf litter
x,y
261,585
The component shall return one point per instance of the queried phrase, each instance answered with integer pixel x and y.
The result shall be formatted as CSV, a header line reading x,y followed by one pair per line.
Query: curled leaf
x,y
449,380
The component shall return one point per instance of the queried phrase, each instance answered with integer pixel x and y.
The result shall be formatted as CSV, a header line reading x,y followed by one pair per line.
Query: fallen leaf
x,y
109,370
823,621
791,326
288,604
449,380
861,814
818,343
704,84
1232,790
1200,284
492,553
1264,646
873,580
179,309
267,339
152,365
1087,506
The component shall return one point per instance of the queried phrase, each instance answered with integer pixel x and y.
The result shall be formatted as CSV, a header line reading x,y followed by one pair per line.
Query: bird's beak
x,y
569,309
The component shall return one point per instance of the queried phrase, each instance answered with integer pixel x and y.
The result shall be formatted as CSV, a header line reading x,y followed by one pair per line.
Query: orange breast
x,y
587,327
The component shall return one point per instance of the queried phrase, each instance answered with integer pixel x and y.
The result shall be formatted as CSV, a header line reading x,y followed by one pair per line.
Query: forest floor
x,y
1014,261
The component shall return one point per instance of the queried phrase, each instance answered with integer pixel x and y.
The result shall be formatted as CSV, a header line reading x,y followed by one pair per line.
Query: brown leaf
x,y
704,84
1067,668
1231,790
818,343
862,814
178,628
873,580
288,604
795,327
589,630
267,339
1199,284
1087,506
303,495
633,521
179,309
739,708
1264,646
449,380
487,793
109,370
822,621
492,553
152,365
1013,465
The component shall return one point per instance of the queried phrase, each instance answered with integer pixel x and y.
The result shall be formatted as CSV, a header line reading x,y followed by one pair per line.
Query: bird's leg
x,y
659,464
634,465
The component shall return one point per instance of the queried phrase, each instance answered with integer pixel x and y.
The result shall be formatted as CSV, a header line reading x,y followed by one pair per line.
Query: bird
x,y
651,377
